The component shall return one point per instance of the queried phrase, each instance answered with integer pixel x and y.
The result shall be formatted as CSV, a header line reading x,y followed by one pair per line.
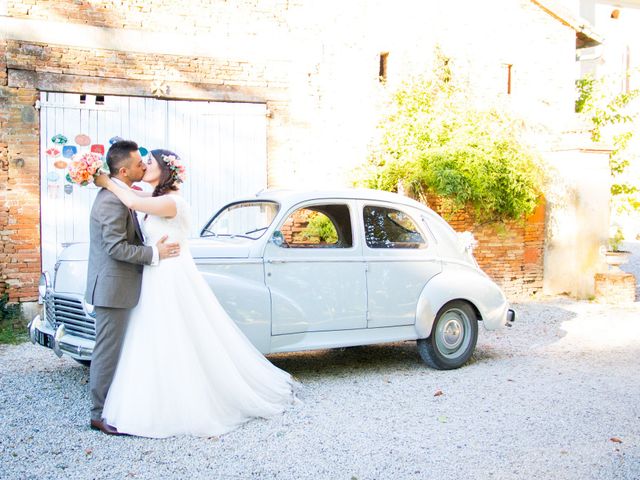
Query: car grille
x,y
68,311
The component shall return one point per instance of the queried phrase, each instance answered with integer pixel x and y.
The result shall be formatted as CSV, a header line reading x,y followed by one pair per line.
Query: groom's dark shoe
x,y
104,427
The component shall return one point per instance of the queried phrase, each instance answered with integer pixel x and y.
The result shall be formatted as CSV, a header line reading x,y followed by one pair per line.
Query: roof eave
x,y
586,36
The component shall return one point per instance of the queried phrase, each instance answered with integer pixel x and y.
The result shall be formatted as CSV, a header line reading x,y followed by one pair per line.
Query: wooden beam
x,y
66,83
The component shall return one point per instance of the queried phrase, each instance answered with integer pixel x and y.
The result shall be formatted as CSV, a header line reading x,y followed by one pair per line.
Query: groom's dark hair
x,y
118,155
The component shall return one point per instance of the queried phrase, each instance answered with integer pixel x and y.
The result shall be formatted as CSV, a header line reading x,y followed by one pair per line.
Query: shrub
x,y
320,228
435,141
10,331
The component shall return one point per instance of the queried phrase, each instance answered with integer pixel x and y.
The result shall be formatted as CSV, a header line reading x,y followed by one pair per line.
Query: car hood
x,y
74,252
220,248
200,248
71,268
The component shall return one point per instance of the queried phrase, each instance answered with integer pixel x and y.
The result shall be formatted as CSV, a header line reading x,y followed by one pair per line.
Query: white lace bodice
x,y
177,228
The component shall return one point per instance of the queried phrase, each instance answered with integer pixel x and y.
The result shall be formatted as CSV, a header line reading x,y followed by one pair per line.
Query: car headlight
x,y
43,285
90,309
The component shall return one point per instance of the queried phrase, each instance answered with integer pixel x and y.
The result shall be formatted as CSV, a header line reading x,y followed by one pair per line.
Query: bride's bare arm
x,y
141,193
160,206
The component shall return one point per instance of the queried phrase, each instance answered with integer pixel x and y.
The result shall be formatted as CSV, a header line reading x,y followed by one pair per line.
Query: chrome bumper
x,y
42,333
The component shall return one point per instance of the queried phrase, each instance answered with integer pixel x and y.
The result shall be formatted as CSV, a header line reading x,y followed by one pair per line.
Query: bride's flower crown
x,y
176,167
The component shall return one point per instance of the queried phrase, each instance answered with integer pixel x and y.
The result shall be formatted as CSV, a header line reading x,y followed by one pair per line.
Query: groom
x,y
116,257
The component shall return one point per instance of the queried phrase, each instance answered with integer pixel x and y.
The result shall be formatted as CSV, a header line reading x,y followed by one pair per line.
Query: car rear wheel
x,y
453,337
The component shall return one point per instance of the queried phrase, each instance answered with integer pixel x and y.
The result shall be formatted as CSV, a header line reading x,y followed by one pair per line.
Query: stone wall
x,y
160,15
615,287
314,64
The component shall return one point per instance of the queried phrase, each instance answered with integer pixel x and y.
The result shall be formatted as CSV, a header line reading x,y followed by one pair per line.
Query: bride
x,y
185,367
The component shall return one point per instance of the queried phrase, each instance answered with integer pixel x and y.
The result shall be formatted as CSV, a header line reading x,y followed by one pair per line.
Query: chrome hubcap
x,y
452,333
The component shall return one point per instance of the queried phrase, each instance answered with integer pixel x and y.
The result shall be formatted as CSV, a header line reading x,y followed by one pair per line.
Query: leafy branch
x,y
435,141
604,109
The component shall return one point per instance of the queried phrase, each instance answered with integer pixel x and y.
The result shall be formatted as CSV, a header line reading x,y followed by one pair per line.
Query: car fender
x,y
459,281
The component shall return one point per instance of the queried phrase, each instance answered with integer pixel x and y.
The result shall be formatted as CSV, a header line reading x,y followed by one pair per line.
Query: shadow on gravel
x,y
70,377
352,360
538,325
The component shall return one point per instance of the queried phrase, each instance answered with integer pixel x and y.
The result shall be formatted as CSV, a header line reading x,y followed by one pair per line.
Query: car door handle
x,y
276,261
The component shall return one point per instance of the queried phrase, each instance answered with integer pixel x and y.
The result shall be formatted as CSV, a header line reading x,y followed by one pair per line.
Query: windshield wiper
x,y
256,230
232,235
214,234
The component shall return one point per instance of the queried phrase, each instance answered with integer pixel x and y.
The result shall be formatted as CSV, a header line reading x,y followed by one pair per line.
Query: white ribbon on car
x,y
467,242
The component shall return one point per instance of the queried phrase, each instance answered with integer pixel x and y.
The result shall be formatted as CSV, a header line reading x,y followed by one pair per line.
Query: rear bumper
x,y
41,332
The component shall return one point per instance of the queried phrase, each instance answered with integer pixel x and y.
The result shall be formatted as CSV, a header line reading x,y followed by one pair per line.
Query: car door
x,y
316,275
401,257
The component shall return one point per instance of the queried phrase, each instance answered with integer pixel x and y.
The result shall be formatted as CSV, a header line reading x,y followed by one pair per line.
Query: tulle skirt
x,y
185,366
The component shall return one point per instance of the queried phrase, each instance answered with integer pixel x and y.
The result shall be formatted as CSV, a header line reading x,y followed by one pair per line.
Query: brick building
x,y
316,67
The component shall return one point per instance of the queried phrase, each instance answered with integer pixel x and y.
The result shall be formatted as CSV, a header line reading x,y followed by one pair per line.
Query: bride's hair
x,y
168,178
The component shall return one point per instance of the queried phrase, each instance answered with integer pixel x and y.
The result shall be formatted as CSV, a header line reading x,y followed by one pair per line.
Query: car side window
x,y
318,226
390,228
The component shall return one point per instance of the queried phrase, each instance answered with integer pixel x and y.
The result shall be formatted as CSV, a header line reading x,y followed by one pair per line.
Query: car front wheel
x,y
453,337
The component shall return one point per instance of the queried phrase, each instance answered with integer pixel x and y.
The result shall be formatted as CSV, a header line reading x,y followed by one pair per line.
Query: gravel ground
x,y
556,396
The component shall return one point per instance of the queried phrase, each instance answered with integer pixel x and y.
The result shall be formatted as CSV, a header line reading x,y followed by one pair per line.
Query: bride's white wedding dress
x,y
185,367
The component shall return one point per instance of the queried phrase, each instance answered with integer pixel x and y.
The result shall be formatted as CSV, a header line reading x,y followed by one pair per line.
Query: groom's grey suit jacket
x,y
116,254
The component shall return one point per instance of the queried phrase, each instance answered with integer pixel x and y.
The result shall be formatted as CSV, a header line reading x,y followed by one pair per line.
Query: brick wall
x,y
19,193
511,253
293,228
4,170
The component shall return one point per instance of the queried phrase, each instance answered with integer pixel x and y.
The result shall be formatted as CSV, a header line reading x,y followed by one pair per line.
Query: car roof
x,y
292,196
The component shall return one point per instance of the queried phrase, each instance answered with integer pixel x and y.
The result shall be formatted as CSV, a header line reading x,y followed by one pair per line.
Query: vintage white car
x,y
313,270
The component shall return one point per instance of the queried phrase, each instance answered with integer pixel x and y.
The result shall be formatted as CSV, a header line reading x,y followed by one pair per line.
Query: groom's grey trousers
x,y
111,324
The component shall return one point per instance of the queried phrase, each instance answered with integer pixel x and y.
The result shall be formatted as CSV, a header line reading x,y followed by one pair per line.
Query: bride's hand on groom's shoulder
x,y
101,180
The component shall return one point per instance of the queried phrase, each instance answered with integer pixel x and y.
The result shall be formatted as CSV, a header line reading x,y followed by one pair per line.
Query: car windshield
x,y
243,219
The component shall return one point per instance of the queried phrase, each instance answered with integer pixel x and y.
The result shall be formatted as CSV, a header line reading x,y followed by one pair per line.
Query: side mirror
x,y
277,238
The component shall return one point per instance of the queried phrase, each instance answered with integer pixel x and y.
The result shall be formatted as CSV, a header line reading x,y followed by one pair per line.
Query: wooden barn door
x,y
222,144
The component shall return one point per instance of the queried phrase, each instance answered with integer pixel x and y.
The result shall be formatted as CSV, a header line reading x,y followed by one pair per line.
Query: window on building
x,y
83,99
390,228
99,99
382,72
318,226
509,77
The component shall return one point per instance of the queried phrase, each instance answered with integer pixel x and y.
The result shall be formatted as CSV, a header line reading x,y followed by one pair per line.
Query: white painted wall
x,y
577,221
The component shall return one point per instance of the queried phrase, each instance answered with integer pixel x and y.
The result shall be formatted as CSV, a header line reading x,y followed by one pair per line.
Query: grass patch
x,y
11,329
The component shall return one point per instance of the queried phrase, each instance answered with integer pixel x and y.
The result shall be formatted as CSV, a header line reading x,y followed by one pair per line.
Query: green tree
x,y
435,141
612,117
